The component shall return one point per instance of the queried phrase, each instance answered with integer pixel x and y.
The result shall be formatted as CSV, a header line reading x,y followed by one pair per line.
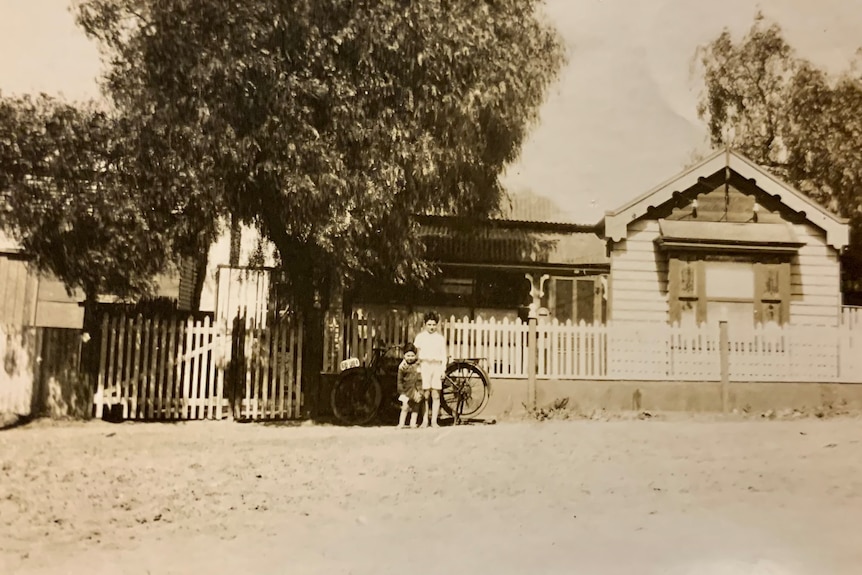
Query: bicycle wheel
x,y
469,383
355,398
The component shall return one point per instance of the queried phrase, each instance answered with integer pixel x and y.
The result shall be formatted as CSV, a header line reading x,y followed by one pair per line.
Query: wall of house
x,y
56,308
638,283
815,282
638,280
31,299
17,285
17,291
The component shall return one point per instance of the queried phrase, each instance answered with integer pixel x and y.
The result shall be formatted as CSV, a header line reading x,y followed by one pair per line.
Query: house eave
x,y
537,226
521,267
836,228
712,246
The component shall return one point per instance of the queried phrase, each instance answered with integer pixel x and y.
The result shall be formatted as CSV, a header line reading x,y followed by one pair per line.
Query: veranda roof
x,y
514,246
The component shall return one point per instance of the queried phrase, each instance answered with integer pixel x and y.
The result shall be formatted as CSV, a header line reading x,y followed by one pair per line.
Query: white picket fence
x,y
634,351
170,369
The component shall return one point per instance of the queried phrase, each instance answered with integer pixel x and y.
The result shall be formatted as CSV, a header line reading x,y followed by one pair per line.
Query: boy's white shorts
x,y
432,374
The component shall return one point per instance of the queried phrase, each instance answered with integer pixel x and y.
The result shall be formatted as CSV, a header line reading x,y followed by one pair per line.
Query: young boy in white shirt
x,y
431,349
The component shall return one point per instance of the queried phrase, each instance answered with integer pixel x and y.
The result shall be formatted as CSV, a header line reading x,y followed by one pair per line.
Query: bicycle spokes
x,y
465,390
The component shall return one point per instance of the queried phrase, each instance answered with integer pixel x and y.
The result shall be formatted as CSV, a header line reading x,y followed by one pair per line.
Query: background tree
x,y
792,118
69,201
328,124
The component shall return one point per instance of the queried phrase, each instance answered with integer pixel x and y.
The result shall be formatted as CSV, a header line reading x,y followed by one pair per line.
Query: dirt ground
x,y
677,496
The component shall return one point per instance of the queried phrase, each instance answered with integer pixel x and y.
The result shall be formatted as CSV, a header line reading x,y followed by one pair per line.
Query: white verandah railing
x,y
635,351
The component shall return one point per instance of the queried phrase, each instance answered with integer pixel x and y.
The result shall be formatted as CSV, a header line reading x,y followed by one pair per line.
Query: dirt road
x,y
641,497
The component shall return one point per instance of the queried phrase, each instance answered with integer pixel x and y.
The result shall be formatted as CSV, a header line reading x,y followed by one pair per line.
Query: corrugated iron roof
x,y
513,246
530,207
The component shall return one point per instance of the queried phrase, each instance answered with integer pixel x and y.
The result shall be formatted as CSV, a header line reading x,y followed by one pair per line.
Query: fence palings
x,y
638,350
273,370
170,369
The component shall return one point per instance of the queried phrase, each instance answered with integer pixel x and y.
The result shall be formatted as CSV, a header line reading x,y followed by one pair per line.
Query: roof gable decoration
x,y
836,228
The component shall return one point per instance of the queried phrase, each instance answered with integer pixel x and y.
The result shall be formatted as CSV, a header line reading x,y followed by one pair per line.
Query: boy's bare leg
x,y
427,394
435,407
414,417
402,417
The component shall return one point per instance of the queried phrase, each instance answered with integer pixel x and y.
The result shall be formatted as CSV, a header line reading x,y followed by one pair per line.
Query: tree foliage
x,y
328,124
69,201
789,116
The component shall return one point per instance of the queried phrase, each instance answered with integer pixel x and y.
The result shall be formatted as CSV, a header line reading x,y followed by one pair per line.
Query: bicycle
x,y
357,396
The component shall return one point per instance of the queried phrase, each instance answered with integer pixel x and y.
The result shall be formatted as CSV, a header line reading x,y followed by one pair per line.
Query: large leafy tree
x,y
70,200
791,117
329,124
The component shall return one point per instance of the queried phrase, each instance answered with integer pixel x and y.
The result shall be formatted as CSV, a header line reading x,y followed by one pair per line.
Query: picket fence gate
x,y
632,350
157,369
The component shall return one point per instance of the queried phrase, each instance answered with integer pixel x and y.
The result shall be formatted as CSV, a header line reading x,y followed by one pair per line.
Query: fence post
x,y
724,352
537,291
532,359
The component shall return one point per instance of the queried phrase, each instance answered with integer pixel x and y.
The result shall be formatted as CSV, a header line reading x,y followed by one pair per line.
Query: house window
x,y
702,290
563,299
729,290
575,299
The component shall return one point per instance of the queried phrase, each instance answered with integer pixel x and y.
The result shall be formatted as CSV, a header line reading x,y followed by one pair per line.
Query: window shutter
x,y
686,289
700,290
772,292
673,280
784,279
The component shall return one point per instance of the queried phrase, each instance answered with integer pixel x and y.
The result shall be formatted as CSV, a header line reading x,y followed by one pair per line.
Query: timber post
x,y
536,292
724,352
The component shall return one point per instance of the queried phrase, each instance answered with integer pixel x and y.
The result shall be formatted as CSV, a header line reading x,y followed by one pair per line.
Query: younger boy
x,y
410,387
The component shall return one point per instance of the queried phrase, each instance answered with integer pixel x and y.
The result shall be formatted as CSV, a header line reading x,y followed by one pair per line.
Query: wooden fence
x,y
167,369
634,351
40,373
267,365
17,370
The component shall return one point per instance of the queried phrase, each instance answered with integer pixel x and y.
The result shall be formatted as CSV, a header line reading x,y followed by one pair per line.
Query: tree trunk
x,y
200,279
235,241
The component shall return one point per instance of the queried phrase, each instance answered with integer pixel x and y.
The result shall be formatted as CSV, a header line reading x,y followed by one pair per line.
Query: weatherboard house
x,y
621,313
721,274
724,239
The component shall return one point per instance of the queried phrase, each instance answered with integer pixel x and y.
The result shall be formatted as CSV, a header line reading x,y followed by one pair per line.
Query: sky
x,y
620,119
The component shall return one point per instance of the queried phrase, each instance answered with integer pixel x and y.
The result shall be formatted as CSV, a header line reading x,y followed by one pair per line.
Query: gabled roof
x,y
836,228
